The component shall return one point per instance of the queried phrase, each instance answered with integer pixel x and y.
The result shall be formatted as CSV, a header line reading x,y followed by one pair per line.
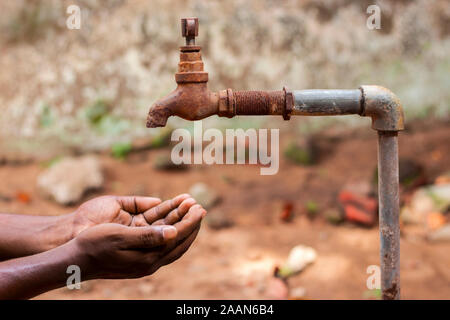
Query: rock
x,y
164,162
409,216
426,200
358,208
68,180
420,205
359,215
441,234
441,196
217,219
204,195
287,213
299,257
367,203
435,220
363,188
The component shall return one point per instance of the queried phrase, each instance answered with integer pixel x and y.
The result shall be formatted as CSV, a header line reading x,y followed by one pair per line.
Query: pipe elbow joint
x,y
383,107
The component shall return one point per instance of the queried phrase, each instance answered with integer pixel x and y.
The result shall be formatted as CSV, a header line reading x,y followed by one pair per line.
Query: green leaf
x,y
97,111
46,117
121,150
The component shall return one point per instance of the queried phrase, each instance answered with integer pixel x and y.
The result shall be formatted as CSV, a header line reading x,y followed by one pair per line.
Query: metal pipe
x,y
319,102
388,199
387,116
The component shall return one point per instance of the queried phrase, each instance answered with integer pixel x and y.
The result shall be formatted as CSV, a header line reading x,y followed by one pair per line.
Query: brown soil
x,y
237,262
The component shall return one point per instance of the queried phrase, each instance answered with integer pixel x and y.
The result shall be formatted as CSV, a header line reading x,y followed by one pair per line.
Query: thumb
x,y
147,237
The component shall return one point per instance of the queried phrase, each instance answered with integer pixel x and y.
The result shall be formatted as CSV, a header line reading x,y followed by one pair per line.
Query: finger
x,y
146,237
178,213
190,221
139,221
179,250
124,218
161,210
135,205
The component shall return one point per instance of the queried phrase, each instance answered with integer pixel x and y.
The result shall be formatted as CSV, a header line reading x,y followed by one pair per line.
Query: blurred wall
x,y
90,87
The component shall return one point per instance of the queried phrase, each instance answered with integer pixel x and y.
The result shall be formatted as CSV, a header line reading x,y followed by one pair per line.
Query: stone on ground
x,y
69,179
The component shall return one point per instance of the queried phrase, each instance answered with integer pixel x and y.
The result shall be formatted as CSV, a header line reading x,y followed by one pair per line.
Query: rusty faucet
x,y
192,100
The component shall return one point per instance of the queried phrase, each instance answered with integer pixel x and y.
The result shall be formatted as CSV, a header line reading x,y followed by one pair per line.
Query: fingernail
x,y
169,232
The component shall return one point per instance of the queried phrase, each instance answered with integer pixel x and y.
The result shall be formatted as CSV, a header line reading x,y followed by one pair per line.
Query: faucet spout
x,y
159,112
190,101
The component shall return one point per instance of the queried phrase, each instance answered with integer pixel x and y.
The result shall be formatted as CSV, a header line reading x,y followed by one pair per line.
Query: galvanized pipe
x,y
388,199
320,102
342,102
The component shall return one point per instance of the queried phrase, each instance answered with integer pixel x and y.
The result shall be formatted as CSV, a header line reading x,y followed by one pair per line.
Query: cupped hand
x,y
129,211
114,250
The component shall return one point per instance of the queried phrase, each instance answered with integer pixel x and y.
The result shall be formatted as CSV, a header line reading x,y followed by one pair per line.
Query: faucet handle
x,y
189,30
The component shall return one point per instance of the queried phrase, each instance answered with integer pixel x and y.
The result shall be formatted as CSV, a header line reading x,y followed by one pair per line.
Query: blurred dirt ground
x,y
237,262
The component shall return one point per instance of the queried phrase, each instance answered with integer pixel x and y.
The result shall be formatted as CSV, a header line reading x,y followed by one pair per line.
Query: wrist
x,y
76,255
26,277
58,231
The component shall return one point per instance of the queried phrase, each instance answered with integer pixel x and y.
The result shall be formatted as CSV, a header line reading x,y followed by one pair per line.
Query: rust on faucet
x,y
192,99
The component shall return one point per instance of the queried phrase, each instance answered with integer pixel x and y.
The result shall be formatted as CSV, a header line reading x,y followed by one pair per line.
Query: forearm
x,y
26,277
22,235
